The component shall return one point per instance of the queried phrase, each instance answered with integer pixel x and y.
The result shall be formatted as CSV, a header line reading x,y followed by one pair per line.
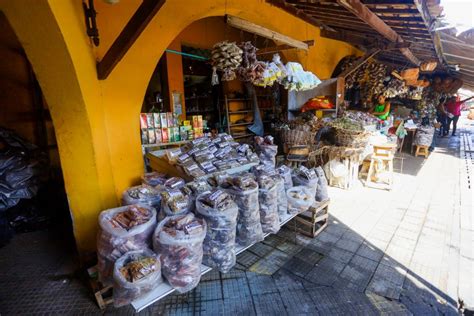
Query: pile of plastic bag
x,y
303,176
122,229
175,202
266,150
220,213
178,239
143,194
299,199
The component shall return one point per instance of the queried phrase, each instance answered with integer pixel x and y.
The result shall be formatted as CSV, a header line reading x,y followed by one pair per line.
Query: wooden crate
x,y
103,295
313,221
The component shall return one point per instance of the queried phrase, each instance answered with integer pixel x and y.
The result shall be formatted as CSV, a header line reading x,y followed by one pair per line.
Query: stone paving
x,y
400,252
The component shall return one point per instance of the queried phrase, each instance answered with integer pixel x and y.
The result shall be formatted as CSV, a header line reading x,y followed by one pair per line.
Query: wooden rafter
x,y
279,48
135,26
299,13
364,13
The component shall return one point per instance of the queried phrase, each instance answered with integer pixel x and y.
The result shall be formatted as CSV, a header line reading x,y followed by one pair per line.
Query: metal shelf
x,y
182,142
165,289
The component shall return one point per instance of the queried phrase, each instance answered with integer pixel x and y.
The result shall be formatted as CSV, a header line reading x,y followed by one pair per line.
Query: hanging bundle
x,y
226,57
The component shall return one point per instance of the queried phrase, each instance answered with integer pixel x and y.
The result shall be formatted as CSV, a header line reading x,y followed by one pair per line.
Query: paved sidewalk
x,y
408,251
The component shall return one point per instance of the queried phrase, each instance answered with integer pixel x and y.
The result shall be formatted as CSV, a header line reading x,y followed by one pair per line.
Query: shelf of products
x,y
165,289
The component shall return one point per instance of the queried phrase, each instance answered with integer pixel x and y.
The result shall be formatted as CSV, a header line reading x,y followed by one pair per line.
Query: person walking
x,y
453,107
442,118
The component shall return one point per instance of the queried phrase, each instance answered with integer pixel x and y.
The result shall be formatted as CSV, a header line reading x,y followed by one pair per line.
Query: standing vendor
x,y
382,109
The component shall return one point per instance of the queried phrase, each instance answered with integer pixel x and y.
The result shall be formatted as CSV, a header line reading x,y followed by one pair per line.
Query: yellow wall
x,y
96,122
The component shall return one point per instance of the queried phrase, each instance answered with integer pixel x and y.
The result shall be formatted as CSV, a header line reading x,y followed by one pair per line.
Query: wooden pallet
x,y
312,222
103,295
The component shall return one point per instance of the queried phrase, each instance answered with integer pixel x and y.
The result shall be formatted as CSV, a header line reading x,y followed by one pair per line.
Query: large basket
x,y
353,139
297,137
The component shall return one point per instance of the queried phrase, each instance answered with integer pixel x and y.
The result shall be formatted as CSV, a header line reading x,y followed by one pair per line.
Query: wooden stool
x,y
422,151
383,154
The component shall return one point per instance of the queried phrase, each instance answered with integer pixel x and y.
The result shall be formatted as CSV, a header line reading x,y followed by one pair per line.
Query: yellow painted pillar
x,y
53,36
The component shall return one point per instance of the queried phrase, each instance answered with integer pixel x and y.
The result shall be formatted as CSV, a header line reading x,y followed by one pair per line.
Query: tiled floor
x,y
407,251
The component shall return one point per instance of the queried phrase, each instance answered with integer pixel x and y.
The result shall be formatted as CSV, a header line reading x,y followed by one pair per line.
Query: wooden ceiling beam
x,y
279,48
132,30
298,13
364,13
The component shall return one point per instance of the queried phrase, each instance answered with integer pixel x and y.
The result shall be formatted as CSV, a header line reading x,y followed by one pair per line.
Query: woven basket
x,y
296,137
348,138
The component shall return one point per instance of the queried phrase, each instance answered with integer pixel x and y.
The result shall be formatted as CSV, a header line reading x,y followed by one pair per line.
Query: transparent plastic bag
x,y
175,202
178,239
267,198
115,239
299,199
285,172
244,191
135,274
154,178
322,190
306,177
142,194
281,196
220,213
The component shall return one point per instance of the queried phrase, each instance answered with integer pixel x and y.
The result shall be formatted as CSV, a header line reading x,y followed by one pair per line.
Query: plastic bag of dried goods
x,y
282,201
244,190
175,183
175,202
135,273
142,194
266,150
194,188
220,213
178,239
322,190
122,229
285,172
306,177
267,198
299,199
154,178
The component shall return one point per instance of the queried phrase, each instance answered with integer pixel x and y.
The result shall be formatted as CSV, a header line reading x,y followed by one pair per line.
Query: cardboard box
x,y
151,136
143,120
157,120
150,120
170,119
164,120
164,135
144,134
195,121
158,136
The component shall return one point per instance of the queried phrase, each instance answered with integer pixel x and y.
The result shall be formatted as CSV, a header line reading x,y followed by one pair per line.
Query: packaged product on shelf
x,y
267,198
196,187
151,136
150,120
220,213
143,121
164,135
144,135
299,199
244,190
171,135
175,202
322,190
143,194
154,178
157,120
192,169
175,183
306,177
178,239
177,136
135,274
164,120
170,119
122,229
285,172
266,150
158,135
